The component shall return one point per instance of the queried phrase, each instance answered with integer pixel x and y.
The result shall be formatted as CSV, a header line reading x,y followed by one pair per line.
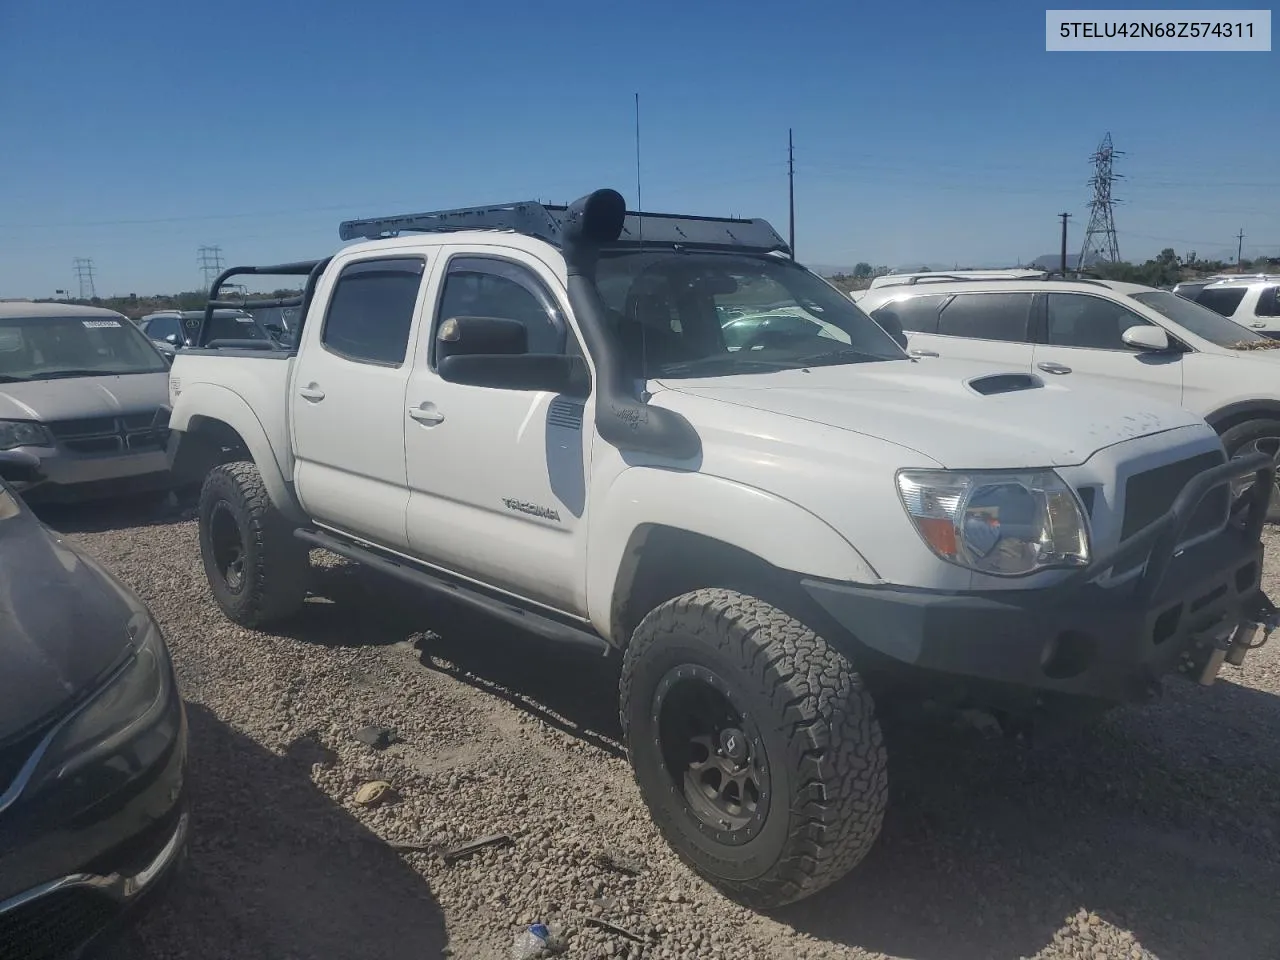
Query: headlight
x,y
130,702
1005,524
19,433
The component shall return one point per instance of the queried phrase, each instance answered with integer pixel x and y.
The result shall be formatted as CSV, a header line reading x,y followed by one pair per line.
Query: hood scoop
x,y
1004,383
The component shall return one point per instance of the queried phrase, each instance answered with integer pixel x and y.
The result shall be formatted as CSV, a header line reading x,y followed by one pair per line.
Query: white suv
x,y
1252,302
1118,335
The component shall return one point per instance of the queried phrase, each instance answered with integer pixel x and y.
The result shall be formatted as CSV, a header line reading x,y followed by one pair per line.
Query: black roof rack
x,y
534,219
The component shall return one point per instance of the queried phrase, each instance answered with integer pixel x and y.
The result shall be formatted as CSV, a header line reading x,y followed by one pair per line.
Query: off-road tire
x,y
1242,436
276,565
825,753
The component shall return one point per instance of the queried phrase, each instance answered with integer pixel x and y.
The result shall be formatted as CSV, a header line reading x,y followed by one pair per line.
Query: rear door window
x,y
1223,300
987,316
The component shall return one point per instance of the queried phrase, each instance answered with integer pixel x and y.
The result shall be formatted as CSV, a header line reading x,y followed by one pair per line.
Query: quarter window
x,y
987,316
1269,302
488,287
1077,320
916,314
371,311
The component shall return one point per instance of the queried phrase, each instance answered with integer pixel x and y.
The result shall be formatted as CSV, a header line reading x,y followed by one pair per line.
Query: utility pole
x,y
83,267
1065,217
1240,248
210,260
791,189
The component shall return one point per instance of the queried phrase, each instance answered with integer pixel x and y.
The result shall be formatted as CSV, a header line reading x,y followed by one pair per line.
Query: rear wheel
x,y
1257,436
754,744
257,569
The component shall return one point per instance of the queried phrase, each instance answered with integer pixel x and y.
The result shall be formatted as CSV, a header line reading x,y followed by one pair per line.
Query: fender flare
x,y
1232,410
211,402
778,531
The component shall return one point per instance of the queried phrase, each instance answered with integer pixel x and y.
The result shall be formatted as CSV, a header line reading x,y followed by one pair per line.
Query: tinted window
x,y
1223,300
986,316
161,327
485,287
916,314
1269,302
371,310
1199,320
1078,320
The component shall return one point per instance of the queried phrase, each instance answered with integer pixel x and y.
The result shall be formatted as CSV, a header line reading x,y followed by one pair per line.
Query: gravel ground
x,y
1153,833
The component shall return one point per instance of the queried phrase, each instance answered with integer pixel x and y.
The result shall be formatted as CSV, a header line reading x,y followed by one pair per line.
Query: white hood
x,y
933,410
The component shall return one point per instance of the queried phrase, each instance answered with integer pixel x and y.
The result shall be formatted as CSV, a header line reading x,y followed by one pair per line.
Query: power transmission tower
x,y
210,259
1100,238
83,267
791,190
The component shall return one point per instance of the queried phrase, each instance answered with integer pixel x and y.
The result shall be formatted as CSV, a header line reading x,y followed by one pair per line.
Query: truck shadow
x,y
1163,821
275,868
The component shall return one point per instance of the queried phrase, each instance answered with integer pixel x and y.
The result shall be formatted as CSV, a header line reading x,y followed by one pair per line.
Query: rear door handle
x,y
311,392
1049,367
923,353
426,414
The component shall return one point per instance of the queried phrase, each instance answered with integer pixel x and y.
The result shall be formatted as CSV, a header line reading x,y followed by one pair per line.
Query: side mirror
x,y
550,372
891,325
1147,338
471,336
18,466
173,339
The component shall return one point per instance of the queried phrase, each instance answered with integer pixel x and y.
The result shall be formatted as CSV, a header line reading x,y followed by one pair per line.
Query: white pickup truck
x,y
533,410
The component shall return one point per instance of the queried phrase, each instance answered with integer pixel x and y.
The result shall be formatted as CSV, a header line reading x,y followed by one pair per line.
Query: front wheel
x,y
1257,436
754,744
256,568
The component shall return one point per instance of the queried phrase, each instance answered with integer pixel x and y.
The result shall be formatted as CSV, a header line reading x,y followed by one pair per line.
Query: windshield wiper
x,y
10,378
837,355
725,363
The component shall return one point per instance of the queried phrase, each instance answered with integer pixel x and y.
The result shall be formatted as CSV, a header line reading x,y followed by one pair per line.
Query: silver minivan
x,y
84,391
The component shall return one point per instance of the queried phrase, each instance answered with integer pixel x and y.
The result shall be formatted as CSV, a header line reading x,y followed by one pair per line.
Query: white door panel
x,y
349,396
1086,347
497,478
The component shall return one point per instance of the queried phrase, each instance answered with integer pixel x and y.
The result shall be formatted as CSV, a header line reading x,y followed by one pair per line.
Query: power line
x,y
1100,236
83,267
210,259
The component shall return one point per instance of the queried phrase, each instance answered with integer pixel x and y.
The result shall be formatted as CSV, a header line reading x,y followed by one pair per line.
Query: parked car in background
x,y
1122,336
1252,301
175,329
93,742
84,392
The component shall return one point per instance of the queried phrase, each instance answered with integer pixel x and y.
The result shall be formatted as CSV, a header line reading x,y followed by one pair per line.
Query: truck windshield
x,y
1203,322
709,314
47,348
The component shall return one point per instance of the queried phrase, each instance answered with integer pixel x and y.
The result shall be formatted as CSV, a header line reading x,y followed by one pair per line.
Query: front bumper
x,y
1078,638
78,863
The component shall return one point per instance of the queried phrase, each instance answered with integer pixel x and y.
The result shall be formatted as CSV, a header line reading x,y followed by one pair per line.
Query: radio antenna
x,y
639,205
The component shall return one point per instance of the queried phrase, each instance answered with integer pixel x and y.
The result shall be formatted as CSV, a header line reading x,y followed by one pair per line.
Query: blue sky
x,y
136,131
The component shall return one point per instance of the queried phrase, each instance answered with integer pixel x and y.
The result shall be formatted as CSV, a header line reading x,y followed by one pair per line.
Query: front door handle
x,y
923,353
426,413
311,392
1050,367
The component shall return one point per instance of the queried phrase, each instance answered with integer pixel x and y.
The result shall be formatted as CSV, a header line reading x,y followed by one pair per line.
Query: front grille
x,y
1149,494
52,926
132,433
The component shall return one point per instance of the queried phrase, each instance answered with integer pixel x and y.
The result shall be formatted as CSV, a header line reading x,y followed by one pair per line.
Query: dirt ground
x,y
1153,833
